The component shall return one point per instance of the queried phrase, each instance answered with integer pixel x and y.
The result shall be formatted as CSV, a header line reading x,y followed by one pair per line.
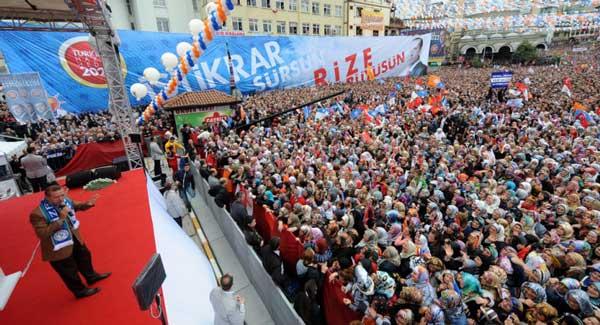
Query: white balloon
x,y
210,8
152,75
169,61
138,91
182,48
196,26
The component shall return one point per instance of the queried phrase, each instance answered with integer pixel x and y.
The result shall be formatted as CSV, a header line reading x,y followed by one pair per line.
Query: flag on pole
x,y
306,111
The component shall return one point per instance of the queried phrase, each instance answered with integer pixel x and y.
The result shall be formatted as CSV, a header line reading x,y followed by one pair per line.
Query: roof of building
x,y
198,99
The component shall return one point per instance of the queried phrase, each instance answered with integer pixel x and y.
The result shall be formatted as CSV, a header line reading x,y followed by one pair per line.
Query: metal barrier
x,y
282,312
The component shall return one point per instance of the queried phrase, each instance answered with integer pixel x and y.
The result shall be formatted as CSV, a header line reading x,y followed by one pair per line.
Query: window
x,y
238,2
132,26
281,27
358,12
327,30
337,30
293,28
253,25
305,29
305,5
316,29
160,3
162,24
267,26
375,33
358,31
251,3
280,5
265,3
237,23
326,10
293,5
195,5
338,11
315,8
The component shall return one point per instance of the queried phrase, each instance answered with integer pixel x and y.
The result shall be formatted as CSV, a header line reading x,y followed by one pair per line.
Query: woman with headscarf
x,y
409,259
532,294
593,292
565,231
576,265
432,314
556,293
454,312
420,279
580,304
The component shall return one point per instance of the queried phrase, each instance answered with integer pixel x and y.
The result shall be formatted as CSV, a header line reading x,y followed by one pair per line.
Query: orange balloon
x,y
196,49
207,32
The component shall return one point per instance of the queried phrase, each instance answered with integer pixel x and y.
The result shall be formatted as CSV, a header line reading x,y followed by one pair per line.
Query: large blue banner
x,y
26,97
73,75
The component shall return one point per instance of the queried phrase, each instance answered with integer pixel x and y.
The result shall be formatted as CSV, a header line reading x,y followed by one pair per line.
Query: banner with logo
x,y
73,76
371,20
202,118
501,79
26,97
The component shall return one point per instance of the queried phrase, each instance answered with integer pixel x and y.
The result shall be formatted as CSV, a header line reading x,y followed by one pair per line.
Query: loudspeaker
x,y
135,137
121,163
79,179
111,172
148,282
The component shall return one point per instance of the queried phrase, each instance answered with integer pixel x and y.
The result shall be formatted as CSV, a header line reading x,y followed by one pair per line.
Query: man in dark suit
x,y
417,68
36,169
238,210
272,261
72,259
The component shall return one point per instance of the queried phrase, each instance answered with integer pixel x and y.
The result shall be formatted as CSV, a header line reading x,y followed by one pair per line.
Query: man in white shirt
x,y
229,308
175,205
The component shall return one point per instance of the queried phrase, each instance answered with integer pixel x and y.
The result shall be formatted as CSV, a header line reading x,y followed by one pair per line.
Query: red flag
x,y
367,137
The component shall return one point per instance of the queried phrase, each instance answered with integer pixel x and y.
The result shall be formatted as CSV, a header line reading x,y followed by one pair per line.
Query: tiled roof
x,y
199,99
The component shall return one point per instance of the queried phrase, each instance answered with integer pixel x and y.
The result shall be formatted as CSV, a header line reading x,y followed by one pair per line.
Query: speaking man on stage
x,y
57,227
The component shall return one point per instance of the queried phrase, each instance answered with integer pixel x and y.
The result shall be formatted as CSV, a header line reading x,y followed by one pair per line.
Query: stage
x,y
127,225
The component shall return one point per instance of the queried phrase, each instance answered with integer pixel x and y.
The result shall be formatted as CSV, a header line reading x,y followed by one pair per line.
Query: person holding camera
x,y
230,309
56,225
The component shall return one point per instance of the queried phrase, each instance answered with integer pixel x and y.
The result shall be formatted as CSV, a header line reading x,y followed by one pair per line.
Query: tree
x,y
525,52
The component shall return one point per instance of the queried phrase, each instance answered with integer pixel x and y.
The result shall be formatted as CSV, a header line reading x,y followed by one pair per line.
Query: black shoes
x,y
87,292
98,277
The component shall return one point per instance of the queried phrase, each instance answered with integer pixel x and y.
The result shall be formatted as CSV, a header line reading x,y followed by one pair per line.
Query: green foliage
x,y
525,52
476,62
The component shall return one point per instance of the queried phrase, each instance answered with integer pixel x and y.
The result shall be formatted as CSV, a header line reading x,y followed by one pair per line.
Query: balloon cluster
x,y
203,32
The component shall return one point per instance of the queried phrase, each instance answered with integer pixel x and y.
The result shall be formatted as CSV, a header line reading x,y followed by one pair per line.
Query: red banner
x,y
92,155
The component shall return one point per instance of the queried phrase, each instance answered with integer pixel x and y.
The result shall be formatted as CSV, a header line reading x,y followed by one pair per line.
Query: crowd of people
x,y
481,207
479,211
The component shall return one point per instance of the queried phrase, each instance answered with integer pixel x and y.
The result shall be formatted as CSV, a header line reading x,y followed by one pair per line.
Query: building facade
x,y
367,17
250,17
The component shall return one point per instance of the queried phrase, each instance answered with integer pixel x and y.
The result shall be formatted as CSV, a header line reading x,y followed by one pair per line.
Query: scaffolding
x,y
97,18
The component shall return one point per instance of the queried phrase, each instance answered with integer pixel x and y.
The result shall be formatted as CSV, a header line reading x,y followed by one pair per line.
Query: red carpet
x,y
119,233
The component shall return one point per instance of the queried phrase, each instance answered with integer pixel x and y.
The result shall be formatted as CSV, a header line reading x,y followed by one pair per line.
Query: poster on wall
x,y
437,50
26,97
72,72
371,20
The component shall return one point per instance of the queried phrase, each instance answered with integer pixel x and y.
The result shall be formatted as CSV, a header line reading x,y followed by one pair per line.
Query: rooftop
x,y
198,99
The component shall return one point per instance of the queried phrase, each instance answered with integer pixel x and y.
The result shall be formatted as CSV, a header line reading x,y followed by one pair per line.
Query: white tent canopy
x,y
12,148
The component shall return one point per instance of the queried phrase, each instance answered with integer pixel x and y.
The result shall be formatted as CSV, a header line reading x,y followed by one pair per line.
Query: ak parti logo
x,y
81,61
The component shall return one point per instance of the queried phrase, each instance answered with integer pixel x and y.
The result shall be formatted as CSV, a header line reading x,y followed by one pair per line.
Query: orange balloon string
x,y
159,100
207,31
196,50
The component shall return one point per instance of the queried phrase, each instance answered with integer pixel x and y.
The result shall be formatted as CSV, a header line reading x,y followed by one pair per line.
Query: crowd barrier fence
x,y
282,312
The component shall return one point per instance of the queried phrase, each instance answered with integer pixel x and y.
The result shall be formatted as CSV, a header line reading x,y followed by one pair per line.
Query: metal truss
x,y
97,20
39,20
